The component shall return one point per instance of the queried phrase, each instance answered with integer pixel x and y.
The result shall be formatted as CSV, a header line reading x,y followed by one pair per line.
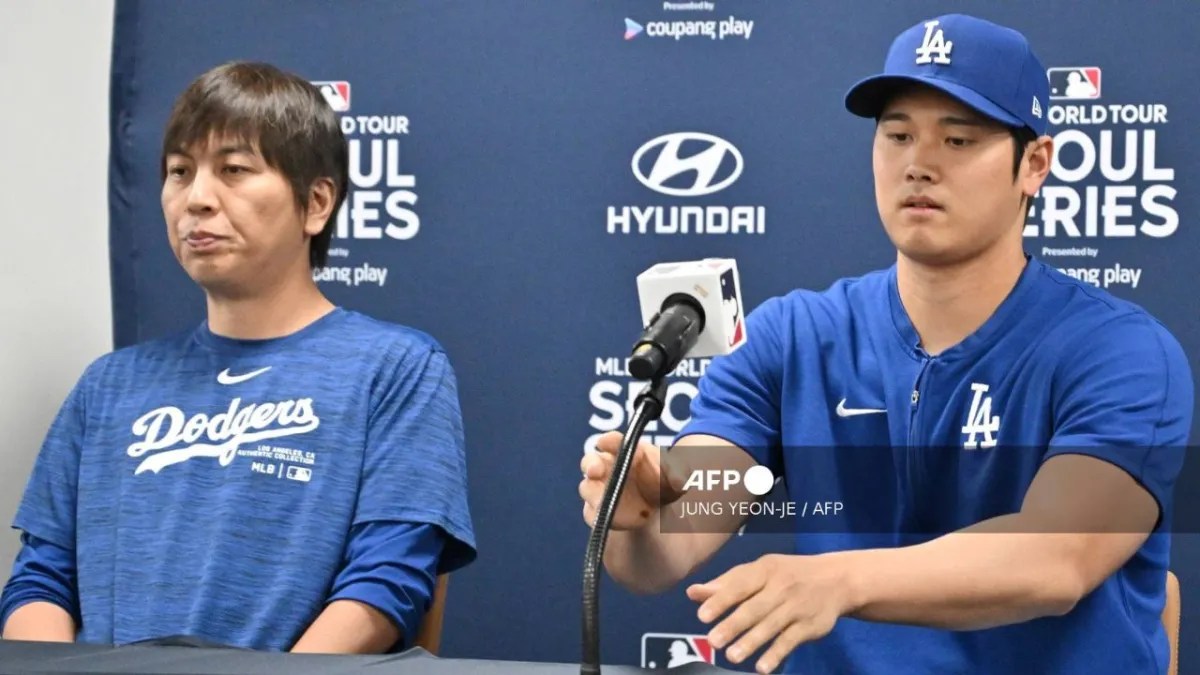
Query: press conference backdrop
x,y
504,201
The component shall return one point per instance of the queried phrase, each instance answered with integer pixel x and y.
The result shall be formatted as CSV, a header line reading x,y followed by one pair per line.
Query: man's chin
x,y
934,254
213,280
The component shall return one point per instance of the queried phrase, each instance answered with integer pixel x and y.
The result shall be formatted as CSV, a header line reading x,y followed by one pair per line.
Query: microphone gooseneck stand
x,y
649,405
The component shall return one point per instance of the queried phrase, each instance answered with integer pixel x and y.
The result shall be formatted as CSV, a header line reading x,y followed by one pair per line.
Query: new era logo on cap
x,y
336,93
1074,83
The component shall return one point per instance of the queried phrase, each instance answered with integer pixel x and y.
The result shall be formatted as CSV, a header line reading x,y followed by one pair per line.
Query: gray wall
x,y
55,306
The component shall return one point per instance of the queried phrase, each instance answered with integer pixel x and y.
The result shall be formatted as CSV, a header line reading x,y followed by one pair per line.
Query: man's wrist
x,y
853,570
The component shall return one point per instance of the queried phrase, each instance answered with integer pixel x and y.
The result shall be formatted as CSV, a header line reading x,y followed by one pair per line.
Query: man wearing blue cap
x,y
1004,439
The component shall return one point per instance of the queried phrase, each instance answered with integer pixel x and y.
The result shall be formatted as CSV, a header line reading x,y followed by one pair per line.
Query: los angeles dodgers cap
x,y
987,67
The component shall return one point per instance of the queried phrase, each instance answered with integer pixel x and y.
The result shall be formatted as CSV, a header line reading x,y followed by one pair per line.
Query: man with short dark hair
x,y
290,475
1004,440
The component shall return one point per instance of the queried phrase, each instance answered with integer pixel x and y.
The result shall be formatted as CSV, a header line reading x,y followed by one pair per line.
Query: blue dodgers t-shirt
x,y
208,485
833,391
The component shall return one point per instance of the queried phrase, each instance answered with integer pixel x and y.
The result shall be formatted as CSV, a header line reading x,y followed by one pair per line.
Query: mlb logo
x,y
1074,83
337,94
299,473
671,650
732,304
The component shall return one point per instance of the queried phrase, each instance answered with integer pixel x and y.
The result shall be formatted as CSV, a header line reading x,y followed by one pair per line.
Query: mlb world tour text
x,y
1102,178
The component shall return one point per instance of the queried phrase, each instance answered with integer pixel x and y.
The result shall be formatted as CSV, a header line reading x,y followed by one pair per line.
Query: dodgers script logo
x,y
174,437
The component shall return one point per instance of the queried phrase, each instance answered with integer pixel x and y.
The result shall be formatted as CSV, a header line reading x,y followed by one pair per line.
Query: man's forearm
x,y
40,622
647,560
654,558
349,627
991,574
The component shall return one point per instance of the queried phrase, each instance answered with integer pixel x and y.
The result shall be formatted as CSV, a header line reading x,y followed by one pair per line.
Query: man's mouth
x,y
921,203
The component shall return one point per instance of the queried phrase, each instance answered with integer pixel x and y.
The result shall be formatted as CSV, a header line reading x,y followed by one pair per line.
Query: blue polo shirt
x,y
833,392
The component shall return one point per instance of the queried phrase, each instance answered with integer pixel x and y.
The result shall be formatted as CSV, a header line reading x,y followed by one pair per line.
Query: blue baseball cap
x,y
987,67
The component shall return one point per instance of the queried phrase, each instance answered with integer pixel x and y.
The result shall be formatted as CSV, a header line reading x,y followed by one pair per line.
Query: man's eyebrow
x,y
948,120
228,149
951,120
235,148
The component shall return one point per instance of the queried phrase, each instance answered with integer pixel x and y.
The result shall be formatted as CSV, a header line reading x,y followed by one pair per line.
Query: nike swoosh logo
x,y
843,411
225,378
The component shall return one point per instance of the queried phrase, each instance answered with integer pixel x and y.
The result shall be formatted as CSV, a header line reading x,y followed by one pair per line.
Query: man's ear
x,y
1035,166
321,198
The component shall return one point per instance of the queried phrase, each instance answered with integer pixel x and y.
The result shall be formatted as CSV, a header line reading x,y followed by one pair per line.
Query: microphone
x,y
689,309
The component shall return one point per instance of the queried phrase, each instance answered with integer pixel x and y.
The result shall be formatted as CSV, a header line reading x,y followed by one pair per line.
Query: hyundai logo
x,y
702,167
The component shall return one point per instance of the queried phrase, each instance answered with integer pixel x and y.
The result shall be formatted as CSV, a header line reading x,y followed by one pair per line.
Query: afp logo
x,y
758,480
687,164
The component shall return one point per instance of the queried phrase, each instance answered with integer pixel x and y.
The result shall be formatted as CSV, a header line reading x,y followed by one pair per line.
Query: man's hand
x,y
646,490
643,555
790,599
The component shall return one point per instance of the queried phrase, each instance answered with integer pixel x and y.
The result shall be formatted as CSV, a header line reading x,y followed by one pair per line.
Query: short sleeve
x,y
47,509
739,395
1127,398
414,468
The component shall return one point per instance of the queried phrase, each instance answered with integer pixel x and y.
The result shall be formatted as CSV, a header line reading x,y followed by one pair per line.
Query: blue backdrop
x,y
496,206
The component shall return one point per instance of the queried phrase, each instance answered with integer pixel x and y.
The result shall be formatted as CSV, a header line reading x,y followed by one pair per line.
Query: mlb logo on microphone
x,y
732,304
663,651
336,93
1074,84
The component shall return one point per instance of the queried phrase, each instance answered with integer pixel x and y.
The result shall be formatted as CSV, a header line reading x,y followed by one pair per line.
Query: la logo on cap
x,y
934,49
